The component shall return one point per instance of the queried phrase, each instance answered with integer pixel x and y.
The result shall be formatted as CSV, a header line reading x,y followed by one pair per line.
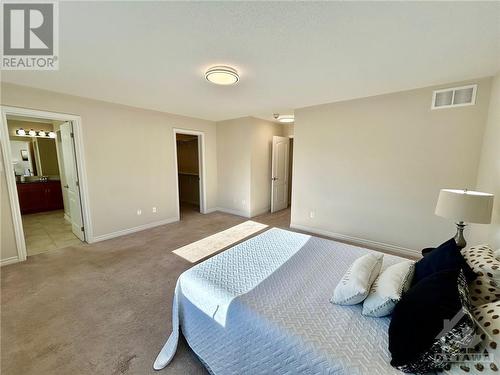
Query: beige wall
x,y
372,168
129,155
488,178
244,164
234,149
288,129
7,238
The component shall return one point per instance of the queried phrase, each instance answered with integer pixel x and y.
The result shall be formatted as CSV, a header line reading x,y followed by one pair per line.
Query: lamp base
x,y
459,237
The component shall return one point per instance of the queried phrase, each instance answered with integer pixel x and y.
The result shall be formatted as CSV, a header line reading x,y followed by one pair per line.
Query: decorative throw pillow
x,y
484,290
431,323
356,283
483,261
485,357
388,289
446,256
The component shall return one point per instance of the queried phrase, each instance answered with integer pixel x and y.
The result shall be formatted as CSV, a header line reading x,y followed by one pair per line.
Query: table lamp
x,y
464,206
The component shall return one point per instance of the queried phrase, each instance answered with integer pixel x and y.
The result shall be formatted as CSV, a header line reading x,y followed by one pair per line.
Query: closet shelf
x,y
188,173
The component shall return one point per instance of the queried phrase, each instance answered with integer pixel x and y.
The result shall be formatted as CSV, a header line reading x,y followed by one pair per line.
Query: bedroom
x,y
370,157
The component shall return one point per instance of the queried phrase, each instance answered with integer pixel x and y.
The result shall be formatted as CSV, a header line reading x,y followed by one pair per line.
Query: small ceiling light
x,y
21,131
32,133
222,75
52,134
284,118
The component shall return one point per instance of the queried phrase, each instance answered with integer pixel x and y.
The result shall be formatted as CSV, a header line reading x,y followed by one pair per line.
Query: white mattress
x,y
262,307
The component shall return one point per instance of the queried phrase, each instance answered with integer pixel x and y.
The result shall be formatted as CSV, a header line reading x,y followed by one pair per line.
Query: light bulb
x,y
21,131
32,133
52,134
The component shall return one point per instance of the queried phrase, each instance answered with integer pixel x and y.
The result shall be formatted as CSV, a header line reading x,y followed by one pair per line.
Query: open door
x,y
279,183
71,176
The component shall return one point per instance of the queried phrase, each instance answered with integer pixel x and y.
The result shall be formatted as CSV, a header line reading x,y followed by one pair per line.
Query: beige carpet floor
x,y
103,308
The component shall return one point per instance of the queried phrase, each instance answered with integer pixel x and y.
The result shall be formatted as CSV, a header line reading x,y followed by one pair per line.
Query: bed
x,y
263,307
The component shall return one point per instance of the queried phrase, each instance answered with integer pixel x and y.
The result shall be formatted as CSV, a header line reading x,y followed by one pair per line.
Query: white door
x,y
279,183
71,176
62,175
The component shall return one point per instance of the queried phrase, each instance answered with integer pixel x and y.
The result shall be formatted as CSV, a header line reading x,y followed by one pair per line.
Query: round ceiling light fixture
x,y
286,119
222,75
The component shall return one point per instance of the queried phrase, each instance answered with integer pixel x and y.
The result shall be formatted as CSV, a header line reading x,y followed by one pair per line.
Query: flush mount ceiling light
x,y
222,75
284,118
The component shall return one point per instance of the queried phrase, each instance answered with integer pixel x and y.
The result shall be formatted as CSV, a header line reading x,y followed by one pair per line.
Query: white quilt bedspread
x,y
262,307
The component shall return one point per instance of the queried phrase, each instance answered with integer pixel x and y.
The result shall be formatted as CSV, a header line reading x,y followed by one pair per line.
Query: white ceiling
x,y
289,55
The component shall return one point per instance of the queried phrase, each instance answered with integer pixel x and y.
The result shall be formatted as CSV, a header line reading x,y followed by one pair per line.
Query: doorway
x,y
281,172
44,182
189,161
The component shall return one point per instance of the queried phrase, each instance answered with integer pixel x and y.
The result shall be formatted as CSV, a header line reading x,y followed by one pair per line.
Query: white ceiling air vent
x,y
454,97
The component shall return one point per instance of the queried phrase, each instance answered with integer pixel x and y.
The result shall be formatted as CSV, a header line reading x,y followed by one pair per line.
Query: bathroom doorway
x,y
44,182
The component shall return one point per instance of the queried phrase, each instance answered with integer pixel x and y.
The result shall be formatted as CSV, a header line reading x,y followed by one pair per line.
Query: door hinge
x,y
72,135
77,183
82,229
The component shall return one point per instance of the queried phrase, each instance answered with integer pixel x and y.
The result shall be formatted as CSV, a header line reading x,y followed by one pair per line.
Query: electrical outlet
x,y
139,212
311,214
154,210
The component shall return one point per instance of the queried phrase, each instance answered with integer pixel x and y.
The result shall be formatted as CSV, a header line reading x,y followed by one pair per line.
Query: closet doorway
x,y
189,147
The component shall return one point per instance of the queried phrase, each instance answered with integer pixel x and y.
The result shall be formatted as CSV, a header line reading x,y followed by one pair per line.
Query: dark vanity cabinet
x,y
40,196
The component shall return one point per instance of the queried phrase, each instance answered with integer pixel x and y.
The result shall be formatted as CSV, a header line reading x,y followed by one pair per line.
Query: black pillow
x,y
427,251
419,318
446,256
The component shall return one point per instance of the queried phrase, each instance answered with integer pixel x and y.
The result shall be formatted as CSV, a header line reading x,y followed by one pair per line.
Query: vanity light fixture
x,y
222,75
32,133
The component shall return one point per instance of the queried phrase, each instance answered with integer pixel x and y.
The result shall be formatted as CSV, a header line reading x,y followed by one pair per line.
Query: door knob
x,y
275,178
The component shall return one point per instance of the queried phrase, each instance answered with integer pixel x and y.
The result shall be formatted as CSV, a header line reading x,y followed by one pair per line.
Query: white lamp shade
x,y
465,205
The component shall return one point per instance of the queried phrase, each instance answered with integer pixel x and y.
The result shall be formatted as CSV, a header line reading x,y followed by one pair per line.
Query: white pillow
x,y
356,283
388,289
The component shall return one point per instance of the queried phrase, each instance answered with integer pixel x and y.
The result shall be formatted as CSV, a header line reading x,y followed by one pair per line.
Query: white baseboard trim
x,y
210,210
358,241
67,218
6,261
233,212
261,211
139,228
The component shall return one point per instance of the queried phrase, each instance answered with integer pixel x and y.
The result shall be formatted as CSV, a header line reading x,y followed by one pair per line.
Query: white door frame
x,y
273,178
201,168
11,181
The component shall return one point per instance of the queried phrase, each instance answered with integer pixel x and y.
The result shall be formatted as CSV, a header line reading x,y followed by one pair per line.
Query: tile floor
x,y
45,231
